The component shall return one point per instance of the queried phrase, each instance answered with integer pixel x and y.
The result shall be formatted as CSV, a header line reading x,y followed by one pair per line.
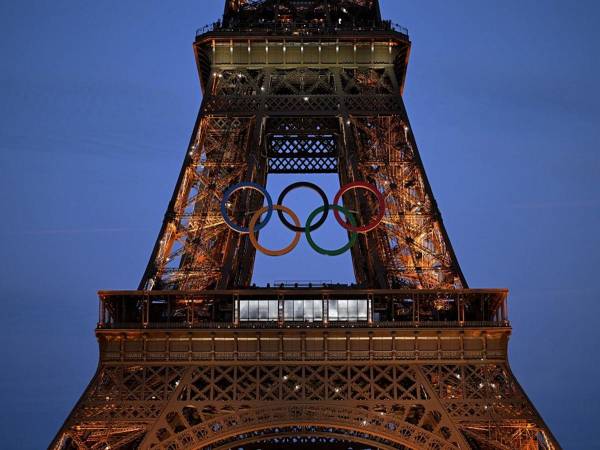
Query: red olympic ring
x,y
376,220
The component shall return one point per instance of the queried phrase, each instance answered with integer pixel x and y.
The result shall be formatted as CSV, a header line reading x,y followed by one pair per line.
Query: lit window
x,y
347,310
258,310
299,310
333,310
303,310
243,310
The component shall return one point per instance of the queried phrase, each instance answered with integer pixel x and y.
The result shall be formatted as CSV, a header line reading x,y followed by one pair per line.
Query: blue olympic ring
x,y
237,187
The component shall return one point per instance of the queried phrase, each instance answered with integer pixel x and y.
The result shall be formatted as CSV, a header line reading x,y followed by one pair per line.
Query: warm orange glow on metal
x,y
303,87
266,251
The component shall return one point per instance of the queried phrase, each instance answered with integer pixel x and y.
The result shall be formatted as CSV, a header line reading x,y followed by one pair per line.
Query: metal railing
x,y
302,29
302,356
297,325
386,308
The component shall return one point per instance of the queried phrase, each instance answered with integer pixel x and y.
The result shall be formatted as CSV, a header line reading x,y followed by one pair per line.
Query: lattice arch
x,y
380,431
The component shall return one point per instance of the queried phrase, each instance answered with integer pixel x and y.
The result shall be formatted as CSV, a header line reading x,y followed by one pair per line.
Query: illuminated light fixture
x,y
107,398
305,99
457,375
364,422
285,377
441,304
340,20
337,389
348,122
297,387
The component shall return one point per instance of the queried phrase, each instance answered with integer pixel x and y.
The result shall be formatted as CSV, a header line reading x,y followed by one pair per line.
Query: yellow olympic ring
x,y
264,250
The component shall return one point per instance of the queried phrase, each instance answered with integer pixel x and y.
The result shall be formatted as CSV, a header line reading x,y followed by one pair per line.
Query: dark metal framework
x,y
303,86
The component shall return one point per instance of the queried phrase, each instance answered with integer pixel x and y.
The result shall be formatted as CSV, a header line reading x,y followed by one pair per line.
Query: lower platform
x,y
384,389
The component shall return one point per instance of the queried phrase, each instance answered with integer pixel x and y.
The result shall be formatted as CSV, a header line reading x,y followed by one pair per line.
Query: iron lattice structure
x,y
312,86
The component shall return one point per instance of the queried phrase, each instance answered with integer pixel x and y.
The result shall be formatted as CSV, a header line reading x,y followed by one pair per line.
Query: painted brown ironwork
x,y
303,87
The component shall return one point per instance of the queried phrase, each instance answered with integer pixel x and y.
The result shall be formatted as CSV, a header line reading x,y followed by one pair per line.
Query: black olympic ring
x,y
315,188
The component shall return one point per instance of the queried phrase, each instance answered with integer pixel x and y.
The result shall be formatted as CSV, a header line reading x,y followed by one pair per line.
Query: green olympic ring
x,y
323,251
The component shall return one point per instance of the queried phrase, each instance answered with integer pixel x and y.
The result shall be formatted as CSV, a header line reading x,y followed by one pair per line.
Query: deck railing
x,y
303,29
385,308
300,325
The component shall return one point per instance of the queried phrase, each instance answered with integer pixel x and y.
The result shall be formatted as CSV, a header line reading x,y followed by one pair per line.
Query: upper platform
x,y
250,30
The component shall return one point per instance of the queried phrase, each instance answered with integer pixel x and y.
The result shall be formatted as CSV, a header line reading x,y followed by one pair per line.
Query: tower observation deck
x,y
405,356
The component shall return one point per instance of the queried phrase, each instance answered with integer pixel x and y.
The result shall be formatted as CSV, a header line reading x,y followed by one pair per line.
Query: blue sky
x,y
98,100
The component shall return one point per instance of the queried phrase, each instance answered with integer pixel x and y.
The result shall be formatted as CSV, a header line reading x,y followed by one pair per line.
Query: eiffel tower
x,y
407,357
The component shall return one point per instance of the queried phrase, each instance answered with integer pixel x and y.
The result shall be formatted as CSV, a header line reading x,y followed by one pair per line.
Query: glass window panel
x,y
333,309
243,309
253,310
298,310
288,310
318,309
343,309
273,312
263,310
362,310
308,310
352,309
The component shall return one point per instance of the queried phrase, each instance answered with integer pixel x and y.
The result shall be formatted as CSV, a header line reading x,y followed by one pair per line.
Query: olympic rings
x,y
266,251
255,225
315,188
371,225
237,187
339,251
